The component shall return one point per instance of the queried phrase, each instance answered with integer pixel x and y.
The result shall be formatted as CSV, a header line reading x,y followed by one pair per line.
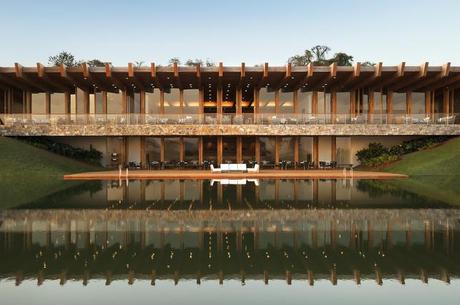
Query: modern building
x,y
222,113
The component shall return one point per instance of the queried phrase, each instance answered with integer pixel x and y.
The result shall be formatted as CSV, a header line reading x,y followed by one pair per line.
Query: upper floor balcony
x,y
228,124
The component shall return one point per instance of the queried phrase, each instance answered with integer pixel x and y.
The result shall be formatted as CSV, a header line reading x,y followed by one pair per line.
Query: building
x,y
239,114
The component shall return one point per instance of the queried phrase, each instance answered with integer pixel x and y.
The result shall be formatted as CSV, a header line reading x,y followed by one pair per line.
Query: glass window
x,y
115,102
267,148
343,150
306,149
2,102
287,148
134,102
81,100
172,149
39,103
249,149
210,149
305,101
172,101
191,101
324,103
152,102
286,102
191,149
229,149
418,102
380,103
266,101
343,102
153,149
399,103
18,101
57,103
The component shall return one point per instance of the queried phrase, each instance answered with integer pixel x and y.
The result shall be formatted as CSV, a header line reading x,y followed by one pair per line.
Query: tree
x,y
174,60
63,58
95,63
320,52
194,62
342,59
301,60
368,64
139,64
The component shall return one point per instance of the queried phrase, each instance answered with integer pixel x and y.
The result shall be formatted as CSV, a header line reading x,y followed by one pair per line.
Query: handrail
x,y
226,119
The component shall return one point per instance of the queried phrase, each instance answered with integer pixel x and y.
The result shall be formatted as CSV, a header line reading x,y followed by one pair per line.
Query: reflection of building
x,y
236,114
222,245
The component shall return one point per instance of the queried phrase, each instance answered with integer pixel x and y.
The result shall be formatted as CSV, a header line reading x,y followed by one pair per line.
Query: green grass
x,y
434,172
28,173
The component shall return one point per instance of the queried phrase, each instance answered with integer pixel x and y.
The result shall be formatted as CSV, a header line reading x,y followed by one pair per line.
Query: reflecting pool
x,y
202,242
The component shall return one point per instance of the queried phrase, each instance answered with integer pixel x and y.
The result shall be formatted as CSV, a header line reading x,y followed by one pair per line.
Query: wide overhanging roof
x,y
399,78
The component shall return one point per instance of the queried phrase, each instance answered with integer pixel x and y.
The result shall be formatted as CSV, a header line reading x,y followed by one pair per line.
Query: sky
x,y
231,32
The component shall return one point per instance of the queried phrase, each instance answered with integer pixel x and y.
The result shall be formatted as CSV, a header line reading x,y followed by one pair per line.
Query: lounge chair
x,y
255,169
215,170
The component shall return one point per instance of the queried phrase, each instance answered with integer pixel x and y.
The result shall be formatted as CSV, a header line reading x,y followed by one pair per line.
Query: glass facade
x,y
306,149
229,150
267,148
305,101
114,102
191,101
210,149
57,103
191,148
172,149
249,149
286,102
343,102
153,102
286,148
39,103
153,149
266,101
172,103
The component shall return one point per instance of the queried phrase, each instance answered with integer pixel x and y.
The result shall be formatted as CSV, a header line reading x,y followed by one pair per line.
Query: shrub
x,y
376,154
91,156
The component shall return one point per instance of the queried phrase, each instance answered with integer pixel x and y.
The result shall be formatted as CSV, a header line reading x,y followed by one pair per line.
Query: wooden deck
x,y
206,174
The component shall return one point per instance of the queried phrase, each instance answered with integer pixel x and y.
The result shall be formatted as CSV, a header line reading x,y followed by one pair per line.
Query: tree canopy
x,y
318,56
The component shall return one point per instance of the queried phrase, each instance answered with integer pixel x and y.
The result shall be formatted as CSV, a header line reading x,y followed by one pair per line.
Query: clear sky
x,y
229,31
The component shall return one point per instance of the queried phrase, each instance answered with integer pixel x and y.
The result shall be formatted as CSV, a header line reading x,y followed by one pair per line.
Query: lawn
x,y
28,173
434,172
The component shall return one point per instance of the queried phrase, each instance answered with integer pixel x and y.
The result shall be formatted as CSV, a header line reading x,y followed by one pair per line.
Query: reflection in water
x,y
222,245
231,195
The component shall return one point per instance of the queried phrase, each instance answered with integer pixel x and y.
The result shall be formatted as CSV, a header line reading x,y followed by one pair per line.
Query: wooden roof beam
x,y
45,78
445,83
95,83
324,82
287,77
242,74
417,77
392,79
352,78
75,82
304,81
264,79
176,75
116,83
133,78
27,80
154,78
429,81
13,83
377,75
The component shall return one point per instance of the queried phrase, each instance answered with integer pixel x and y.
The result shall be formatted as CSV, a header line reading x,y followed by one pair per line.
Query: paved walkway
x,y
206,174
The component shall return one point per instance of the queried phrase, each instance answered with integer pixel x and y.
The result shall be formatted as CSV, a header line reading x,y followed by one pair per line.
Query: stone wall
x,y
229,130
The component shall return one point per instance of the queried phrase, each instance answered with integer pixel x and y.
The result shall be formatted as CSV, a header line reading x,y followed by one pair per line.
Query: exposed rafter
x,y
27,80
411,80
377,75
429,81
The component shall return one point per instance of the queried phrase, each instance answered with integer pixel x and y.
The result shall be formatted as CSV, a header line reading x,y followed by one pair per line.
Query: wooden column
x,y
371,105
333,105
389,106
142,101
162,102
200,150
409,102
162,150
219,150
277,102
277,150
295,98
257,149
181,149
352,103
143,156
47,103
239,109
445,101
333,148
427,103
314,103
316,151
296,150
239,149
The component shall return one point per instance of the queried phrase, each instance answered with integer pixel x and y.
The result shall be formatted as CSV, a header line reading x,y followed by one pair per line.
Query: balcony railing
x,y
225,119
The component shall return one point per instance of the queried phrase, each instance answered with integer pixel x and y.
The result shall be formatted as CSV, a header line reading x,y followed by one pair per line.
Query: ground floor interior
x,y
266,150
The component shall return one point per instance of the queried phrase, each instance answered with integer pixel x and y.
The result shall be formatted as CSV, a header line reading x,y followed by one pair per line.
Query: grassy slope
x,y
28,173
433,172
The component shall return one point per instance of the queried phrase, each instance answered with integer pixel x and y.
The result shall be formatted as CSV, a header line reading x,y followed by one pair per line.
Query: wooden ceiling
x,y
306,78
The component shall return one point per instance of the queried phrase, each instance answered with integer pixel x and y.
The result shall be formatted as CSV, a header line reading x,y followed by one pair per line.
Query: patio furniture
x,y
154,164
255,169
233,167
134,165
215,170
